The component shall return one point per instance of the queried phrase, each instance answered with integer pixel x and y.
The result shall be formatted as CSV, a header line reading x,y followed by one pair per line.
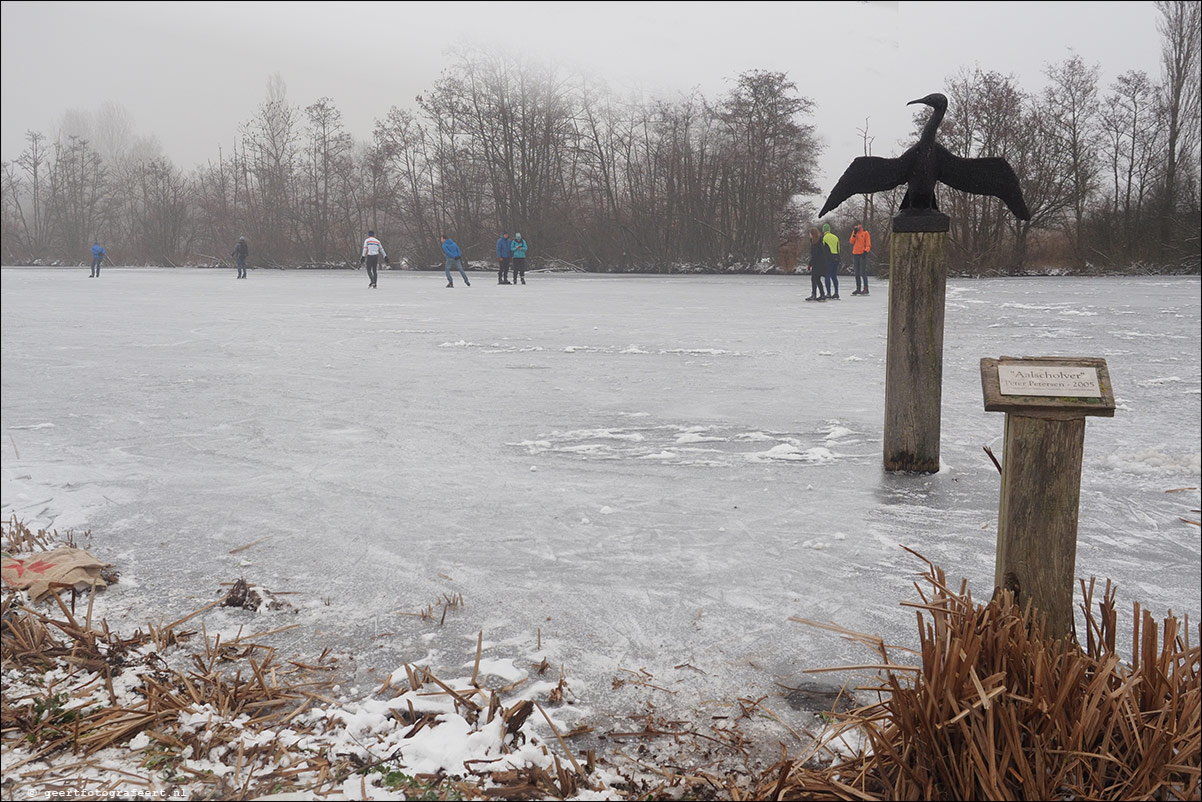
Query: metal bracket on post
x,y
1046,401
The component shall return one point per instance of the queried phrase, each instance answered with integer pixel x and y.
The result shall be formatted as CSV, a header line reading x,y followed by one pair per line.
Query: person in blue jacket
x,y
519,257
97,258
455,257
504,256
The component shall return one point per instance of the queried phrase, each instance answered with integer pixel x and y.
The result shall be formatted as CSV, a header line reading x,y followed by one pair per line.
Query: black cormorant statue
x,y
925,164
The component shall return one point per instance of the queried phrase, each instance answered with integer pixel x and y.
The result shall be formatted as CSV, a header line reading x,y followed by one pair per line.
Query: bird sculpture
x,y
925,164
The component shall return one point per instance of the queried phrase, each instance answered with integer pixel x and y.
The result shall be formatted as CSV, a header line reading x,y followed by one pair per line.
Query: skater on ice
x,y
454,259
817,266
519,257
831,242
241,251
372,251
504,258
97,258
861,246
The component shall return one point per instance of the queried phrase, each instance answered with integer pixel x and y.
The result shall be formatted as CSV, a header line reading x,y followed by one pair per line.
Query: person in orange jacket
x,y
861,246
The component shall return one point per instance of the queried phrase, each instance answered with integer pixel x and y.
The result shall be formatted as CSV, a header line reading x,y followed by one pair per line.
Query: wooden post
x,y
1046,400
914,351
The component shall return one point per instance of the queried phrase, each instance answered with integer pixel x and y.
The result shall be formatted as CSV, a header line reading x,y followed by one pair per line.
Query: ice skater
x,y
519,257
241,251
832,261
373,249
817,266
504,258
861,246
97,258
455,258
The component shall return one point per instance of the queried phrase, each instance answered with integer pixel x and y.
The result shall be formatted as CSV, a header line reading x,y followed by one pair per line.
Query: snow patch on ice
x,y
695,437
503,668
699,351
1153,461
1159,382
791,453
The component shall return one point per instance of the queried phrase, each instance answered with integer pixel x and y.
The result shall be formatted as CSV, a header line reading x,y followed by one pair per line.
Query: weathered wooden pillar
x,y
914,351
1046,400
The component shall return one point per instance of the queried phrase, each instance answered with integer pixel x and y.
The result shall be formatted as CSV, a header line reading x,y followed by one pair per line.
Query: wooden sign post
x,y
1046,401
914,351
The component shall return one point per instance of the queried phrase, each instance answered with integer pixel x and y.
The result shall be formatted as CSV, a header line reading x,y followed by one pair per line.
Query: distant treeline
x,y
1111,175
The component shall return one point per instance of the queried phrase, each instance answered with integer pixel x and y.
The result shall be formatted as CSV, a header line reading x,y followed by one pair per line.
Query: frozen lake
x,y
615,473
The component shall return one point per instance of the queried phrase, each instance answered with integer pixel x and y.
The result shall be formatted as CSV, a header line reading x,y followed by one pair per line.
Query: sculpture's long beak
x,y
920,100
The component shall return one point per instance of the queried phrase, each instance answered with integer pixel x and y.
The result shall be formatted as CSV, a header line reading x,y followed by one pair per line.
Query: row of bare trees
x,y
496,144
1111,174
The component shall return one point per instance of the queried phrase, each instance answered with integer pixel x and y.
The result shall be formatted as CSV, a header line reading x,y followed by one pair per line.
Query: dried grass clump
x,y
18,538
80,713
997,709
229,689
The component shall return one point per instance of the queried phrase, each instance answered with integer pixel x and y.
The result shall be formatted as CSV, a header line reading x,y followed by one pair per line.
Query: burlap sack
x,y
62,567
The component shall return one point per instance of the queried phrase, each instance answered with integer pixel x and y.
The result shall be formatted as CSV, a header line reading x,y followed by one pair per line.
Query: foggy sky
x,y
190,72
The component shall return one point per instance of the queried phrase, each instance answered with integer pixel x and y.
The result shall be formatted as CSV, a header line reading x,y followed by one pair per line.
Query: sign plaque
x,y
1047,386
1077,381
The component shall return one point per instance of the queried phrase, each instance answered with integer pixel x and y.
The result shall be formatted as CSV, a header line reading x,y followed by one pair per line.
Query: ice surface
x,y
615,473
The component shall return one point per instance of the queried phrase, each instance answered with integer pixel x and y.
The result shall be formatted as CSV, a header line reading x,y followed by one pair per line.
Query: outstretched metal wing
x,y
869,174
992,176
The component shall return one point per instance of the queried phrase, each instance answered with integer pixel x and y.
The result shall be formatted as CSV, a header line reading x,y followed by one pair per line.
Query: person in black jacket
x,y
241,251
818,261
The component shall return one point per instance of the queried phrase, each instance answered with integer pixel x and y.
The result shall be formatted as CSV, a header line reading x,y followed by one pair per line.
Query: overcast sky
x,y
189,72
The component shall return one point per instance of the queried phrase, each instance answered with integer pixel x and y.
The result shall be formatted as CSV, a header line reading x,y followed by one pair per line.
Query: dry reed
x,y
998,710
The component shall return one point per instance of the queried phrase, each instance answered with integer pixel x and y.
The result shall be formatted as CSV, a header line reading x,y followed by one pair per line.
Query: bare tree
x,y
269,143
986,115
33,226
1071,119
326,169
1133,144
770,153
78,185
1180,27
400,183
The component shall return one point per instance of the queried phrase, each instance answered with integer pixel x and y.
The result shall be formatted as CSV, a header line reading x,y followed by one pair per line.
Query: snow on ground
x,y
638,479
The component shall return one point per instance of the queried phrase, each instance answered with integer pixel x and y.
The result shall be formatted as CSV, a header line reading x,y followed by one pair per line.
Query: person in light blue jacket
x,y
519,247
97,258
454,257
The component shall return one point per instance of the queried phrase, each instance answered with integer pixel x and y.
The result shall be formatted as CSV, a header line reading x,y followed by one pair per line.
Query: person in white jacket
x,y
373,249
